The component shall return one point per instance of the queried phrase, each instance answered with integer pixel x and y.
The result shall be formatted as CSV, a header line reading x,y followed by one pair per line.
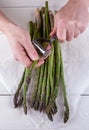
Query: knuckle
x,y
69,39
60,38
83,27
16,46
76,34
27,63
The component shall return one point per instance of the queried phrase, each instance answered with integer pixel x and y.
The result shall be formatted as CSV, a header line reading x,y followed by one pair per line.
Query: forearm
x,y
86,2
80,0
4,22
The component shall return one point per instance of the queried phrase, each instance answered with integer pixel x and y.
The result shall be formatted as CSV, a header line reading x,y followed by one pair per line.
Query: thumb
x,y
53,32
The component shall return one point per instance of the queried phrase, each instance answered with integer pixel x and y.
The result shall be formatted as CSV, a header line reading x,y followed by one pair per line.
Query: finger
x,y
61,33
76,33
82,29
48,47
22,57
53,32
77,30
40,63
31,50
69,35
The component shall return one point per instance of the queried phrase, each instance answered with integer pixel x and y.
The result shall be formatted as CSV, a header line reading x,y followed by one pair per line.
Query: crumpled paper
x,y
76,69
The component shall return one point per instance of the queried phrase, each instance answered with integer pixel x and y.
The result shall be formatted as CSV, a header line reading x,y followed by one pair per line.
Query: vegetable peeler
x,y
44,52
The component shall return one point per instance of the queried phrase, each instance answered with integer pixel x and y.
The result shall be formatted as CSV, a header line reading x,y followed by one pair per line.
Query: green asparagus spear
x,y
66,107
49,88
47,30
47,20
33,98
43,96
56,78
38,97
27,79
18,90
31,31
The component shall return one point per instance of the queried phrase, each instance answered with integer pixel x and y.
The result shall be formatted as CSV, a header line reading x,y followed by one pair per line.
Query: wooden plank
x,y
14,119
19,3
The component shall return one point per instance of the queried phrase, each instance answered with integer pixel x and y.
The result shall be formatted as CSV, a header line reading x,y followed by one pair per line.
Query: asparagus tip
x,y
32,104
36,105
66,115
54,110
50,116
40,107
25,110
15,101
20,102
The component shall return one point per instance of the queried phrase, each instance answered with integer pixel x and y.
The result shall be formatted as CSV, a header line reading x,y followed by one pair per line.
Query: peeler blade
x,y
45,53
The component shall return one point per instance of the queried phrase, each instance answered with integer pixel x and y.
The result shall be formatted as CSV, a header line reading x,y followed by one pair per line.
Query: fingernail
x,y
35,56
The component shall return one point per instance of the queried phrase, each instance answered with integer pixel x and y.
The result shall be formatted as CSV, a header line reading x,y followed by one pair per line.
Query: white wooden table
x,y
13,119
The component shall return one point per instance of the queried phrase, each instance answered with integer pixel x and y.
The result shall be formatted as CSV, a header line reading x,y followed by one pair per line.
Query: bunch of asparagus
x,y
47,76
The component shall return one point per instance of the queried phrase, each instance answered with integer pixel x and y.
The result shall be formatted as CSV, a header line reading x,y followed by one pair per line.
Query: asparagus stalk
x,y
47,20
33,98
56,80
66,107
39,23
38,97
43,94
54,109
50,61
51,58
50,76
47,25
42,103
31,31
44,32
51,18
27,79
20,101
18,90
38,20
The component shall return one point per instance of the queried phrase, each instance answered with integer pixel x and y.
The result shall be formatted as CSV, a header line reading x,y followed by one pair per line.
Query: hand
x,y
21,45
71,20
20,42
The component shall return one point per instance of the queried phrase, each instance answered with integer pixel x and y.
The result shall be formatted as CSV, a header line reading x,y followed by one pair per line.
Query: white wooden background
x,y
21,11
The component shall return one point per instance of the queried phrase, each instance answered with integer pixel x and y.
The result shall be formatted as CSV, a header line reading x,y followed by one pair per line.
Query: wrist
x,y
4,23
85,2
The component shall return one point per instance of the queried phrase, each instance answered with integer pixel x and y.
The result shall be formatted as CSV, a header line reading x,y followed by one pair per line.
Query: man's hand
x,y
71,20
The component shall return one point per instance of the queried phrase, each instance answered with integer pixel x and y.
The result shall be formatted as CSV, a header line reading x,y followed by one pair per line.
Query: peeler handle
x,y
38,46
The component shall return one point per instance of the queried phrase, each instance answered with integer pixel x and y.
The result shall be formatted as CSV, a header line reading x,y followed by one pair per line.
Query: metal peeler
x,y
44,52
